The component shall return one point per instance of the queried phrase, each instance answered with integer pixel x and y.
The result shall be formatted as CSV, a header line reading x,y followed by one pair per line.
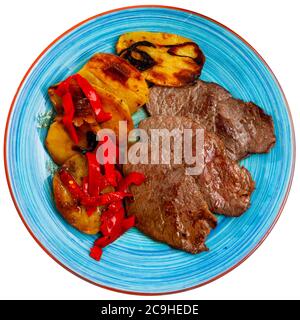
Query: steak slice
x,y
243,126
224,184
175,208
169,207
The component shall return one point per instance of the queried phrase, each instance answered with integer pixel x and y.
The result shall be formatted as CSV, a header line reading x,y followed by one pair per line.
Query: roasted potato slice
x,y
59,144
68,207
157,38
118,110
164,59
118,77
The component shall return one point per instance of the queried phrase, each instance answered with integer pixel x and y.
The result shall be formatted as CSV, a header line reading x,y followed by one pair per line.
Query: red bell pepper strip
x,y
102,241
105,240
70,183
128,223
69,111
93,97
116,206
135,178
96,253
108,223
85,186
104,199
86,200
96,181
112,218
63,87
111,174
63,91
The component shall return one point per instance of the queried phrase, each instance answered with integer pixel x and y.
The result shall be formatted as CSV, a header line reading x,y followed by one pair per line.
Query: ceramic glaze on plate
x,y
135,263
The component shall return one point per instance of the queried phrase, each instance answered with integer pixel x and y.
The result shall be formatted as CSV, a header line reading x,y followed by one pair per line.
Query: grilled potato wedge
x,y
68,207
164,59
59,144
118,77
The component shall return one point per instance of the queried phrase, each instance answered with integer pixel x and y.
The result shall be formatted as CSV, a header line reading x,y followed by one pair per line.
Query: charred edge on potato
x,y
199,59
117,72
146,62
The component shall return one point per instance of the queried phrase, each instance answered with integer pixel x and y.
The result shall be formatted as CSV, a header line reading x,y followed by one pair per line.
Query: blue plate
x,y
135,263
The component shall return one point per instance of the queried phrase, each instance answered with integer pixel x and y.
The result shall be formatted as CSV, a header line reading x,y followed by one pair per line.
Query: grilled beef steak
x,y
243,126
225,185
169,207
173,207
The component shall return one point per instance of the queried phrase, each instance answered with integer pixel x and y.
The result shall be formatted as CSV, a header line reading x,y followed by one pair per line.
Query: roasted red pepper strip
x,y
63,91
108,223
111,174
93,97
87,200
107,239
102,241
104,199
112,218
96,181
128,223
63,87
85,186
70,183
69,111
96,252
135,178
116,206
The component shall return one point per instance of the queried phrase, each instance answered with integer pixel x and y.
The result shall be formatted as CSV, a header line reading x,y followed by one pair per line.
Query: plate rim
x,y
8,178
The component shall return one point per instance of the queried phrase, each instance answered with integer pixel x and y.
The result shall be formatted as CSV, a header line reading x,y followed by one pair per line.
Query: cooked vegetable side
x,y
117,76
159,71
70,207
89,195
164,59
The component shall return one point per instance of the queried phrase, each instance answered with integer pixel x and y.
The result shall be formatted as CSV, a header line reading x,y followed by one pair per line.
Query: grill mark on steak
x,y
175,208
243,126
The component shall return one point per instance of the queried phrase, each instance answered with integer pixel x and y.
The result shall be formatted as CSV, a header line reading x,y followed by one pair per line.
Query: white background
x,y
27,27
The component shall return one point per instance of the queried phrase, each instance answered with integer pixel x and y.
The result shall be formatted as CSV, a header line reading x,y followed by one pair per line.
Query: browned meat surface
x,y
173,207
169,207
243,126
225,185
